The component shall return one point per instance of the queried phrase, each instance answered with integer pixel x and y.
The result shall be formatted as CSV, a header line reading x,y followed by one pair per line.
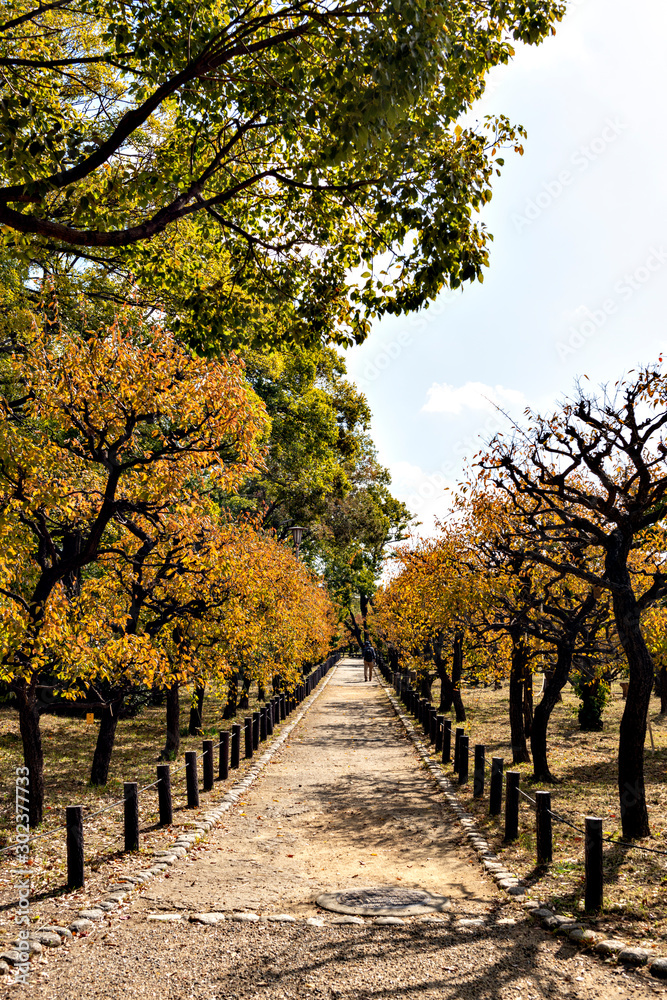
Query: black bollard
x,y
433,726
512,805
478,783
74,825
282,708
463,759
255,730
446,741
248,736
164,795
439,719
191,780
263,724
543,828
207,764
269,719
131,815
235,753
223,757
496,789
457,741
593,862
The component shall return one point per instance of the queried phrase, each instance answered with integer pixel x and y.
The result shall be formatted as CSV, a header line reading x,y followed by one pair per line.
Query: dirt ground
x,y
345,803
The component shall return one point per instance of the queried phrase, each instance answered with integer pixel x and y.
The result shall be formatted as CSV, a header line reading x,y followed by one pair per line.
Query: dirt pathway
x,y
344,803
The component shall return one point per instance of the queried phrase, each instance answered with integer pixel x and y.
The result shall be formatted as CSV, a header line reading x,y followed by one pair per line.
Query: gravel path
x,y
344,804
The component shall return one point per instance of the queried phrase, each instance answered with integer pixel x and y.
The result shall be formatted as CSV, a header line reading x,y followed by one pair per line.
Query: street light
x,y
297,535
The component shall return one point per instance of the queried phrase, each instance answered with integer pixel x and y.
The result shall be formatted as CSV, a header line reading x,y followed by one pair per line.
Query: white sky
x,y
578,277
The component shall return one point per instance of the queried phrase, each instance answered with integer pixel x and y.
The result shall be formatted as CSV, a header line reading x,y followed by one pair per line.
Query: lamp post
x,y
297,535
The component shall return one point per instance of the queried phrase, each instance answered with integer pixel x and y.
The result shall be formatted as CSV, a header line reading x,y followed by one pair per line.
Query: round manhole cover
x,y
383,901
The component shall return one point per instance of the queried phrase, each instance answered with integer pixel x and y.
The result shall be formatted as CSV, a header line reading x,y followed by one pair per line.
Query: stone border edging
x,y
608,948
53,935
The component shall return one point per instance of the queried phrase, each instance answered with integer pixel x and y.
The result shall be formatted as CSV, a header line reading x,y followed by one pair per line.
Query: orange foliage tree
x,y
95,433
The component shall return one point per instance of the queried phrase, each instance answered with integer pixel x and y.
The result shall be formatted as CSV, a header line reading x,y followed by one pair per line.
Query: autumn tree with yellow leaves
x,y
97,432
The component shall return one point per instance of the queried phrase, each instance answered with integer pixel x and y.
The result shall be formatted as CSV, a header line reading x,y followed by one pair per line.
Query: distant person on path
x,y
369,660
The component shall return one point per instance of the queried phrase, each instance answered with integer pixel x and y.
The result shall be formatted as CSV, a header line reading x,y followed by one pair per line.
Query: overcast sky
x,y
578,277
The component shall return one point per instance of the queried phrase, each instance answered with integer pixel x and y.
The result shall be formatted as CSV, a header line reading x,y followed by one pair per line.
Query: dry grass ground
x,y
585,765
69,744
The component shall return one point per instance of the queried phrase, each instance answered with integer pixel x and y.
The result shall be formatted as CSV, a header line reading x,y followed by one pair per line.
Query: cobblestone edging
x,y
43,938
607,948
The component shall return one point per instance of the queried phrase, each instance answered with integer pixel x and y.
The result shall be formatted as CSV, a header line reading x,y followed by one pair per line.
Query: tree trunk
x,y
552,690
426,683
261,691
457,672
520,754
232,697
662,680
446,689
244,701
33,756
632,736
173,733
99,772
363,606
528,700
196,710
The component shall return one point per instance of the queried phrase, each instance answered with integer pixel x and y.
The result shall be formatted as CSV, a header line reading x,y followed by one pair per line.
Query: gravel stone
x,y
63,931
658,968
348,920
207,918
582,936
11,956
83,924
34,946
93,914
245,918
48,938
633,956
315,922
612,946
282,918
388,921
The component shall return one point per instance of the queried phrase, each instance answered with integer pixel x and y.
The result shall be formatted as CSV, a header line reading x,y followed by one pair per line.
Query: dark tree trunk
x,y
446,688
632,736
196,710
538,737
261,691
99,772
232,697
33,756
173,733
426,684
520,754
662,690
528,701
363,605
457,673
244,700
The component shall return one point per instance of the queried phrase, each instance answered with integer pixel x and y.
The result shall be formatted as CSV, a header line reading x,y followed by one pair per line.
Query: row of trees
x,y
211,197
124,559
554,557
